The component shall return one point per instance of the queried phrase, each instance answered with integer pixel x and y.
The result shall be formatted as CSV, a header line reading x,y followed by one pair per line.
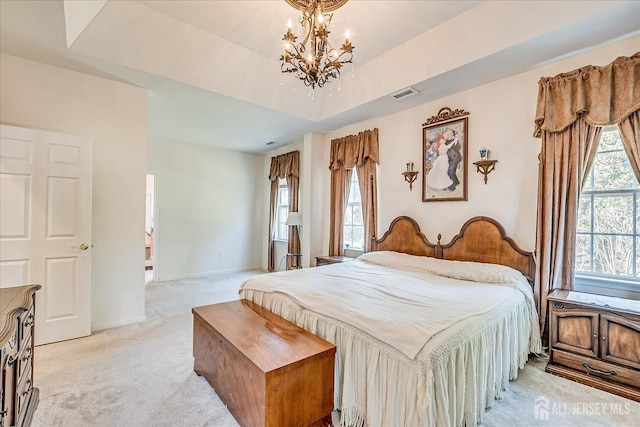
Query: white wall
x,y
41,96
209,205
501,119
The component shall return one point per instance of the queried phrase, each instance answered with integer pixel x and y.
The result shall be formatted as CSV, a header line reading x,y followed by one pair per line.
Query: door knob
x,y
84,246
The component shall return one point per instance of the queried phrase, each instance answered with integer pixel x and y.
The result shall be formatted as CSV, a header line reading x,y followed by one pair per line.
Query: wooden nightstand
x,y
326,260
595,340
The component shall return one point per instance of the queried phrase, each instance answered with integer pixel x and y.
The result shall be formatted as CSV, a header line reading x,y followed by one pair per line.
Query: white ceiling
x,y
212,67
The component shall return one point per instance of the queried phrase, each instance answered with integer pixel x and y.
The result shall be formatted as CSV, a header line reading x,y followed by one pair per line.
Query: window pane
x,y
612,171
613,214
583,252
584,214
283,197
613,255
348,215
352,193
610,140
355,191
348,236
353,225
610,251
588,185
357,215
283,231
284,213
358,237
637,255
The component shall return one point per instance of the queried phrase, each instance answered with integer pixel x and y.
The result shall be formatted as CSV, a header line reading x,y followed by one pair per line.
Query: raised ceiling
x,y
212,67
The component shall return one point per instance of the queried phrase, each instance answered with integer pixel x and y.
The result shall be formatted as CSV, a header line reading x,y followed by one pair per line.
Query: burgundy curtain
x,y
285,166
571,109
362,152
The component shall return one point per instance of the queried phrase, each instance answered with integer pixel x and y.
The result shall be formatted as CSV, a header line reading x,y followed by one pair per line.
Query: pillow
x,y
463,270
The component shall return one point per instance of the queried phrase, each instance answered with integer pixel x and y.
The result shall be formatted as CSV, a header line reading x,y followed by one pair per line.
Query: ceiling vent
x,y
404,93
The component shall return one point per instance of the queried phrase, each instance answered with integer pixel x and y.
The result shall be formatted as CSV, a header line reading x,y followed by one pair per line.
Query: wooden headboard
x,y
481,239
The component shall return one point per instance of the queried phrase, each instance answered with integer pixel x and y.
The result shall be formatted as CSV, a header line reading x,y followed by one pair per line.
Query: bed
x,y
426,334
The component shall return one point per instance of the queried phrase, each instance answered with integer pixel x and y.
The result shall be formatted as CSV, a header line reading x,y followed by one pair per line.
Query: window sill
x,y
605,286
353,253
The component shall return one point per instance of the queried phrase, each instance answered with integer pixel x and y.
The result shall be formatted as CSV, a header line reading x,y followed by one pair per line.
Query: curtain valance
x,y
285,165
354,150
602,95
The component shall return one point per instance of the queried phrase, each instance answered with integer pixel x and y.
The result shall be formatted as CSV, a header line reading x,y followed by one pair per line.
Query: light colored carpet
x,y
142,375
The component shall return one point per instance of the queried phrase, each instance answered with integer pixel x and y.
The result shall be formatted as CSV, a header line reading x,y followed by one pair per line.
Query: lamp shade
x,y
294,218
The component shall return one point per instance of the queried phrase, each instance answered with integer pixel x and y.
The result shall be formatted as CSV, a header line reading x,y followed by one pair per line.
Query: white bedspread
x,y
457,373
401,307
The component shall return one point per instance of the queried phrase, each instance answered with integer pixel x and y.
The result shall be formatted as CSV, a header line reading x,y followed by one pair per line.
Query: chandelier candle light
x,y
314,60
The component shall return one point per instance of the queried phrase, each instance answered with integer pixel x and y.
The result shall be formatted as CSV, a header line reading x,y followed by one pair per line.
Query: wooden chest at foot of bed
x,y
268,371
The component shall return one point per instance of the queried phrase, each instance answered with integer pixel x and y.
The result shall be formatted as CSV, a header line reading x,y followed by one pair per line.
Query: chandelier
x,y
314,60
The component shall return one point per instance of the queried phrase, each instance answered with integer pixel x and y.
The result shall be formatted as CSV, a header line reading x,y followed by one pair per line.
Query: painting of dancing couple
x,y
445,157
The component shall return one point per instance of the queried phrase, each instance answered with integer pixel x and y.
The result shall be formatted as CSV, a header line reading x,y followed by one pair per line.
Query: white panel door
x,y
45,226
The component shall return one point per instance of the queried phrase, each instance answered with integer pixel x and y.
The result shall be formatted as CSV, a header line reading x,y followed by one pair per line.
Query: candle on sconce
x,y
484,153
408,166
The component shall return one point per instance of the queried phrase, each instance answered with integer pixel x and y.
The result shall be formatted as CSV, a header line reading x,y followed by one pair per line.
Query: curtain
x,y
348,176
362,152
564,162
336,214
368,184
603,96
630,133
285,166
272,225
294,238
572,108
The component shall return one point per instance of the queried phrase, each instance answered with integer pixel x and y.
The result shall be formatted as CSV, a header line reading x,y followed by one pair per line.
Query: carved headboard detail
x,y
404,236
481,239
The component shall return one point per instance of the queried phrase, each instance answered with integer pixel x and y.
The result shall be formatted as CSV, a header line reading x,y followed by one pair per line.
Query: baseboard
x,y
123,322
209,273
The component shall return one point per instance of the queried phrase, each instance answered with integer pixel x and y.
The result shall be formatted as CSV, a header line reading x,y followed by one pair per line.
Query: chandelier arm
x,y
298,50
315,61
308,19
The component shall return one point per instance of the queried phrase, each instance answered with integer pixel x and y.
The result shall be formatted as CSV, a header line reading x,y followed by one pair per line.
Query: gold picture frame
x,y
444,156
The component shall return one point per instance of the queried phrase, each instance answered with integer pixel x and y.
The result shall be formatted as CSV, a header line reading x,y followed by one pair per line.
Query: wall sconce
x,y
410,175
484,165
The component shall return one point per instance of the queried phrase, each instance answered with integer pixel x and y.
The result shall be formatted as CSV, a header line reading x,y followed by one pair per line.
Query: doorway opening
x,y
150,230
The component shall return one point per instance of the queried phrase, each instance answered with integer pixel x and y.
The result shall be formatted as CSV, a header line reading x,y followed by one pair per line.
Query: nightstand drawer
x,y
597,368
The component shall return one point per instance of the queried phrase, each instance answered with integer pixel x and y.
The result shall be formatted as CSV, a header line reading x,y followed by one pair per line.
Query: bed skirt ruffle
x,y
454,378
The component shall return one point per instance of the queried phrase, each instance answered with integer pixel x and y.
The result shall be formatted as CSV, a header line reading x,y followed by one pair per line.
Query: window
x,y
282,212
608,237
353,231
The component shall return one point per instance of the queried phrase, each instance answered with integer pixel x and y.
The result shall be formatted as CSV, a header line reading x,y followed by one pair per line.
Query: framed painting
x,y
444,156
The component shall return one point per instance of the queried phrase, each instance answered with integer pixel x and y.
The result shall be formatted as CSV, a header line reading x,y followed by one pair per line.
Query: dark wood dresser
x,y
18,396
595,340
